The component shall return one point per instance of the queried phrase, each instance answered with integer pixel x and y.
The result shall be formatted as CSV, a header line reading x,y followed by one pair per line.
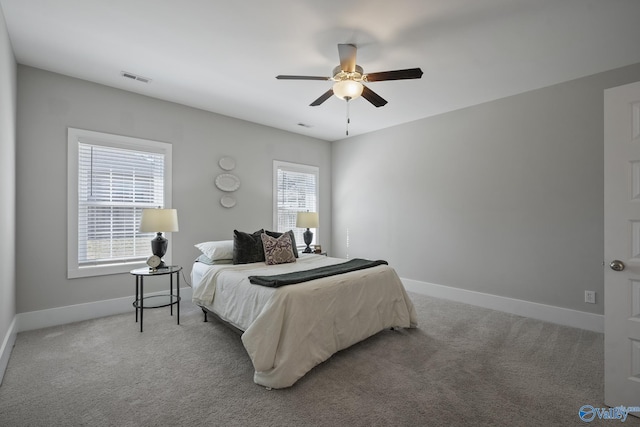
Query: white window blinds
x,y
110,179
295,190
114,185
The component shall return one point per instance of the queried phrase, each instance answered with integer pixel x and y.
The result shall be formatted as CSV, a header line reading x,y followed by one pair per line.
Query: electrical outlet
x,y
590,297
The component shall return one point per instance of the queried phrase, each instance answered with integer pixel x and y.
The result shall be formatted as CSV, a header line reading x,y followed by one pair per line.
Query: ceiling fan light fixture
x,y
350,89
348,78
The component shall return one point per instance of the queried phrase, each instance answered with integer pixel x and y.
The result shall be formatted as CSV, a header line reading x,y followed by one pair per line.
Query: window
x,y
295,189
111,179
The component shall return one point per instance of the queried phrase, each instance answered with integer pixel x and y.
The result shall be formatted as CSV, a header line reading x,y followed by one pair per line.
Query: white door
x,y
622,246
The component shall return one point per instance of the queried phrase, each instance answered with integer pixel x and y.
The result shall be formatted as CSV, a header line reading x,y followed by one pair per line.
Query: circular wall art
x,y
227,182
228,201
227,163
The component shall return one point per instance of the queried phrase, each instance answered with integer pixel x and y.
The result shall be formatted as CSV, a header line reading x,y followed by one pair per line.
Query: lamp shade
x,y
159,220
307,220
347,89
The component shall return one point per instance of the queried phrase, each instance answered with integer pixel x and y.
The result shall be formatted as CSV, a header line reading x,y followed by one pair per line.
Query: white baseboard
x,y
75,313
7,346
548,313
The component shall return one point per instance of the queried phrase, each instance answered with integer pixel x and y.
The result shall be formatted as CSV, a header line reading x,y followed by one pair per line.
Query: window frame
x,y
74,138
301,168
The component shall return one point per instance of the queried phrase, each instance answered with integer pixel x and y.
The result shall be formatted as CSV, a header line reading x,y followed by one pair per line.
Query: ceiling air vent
x,y
132,76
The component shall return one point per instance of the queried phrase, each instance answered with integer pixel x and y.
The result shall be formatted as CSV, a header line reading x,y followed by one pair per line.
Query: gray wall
x,y
7,181
48,103
504,198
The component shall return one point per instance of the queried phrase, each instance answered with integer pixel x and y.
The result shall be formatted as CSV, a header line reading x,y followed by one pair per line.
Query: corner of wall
x,y
7,345
8,123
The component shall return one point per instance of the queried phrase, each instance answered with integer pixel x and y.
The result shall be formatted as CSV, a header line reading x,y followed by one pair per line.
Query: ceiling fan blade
x,y
347,54
373,97
410,73
284,77
322,98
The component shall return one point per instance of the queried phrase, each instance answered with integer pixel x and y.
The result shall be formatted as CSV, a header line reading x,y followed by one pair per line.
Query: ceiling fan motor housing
x,y
339,74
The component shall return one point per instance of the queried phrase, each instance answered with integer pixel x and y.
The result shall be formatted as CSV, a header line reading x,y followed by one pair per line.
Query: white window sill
x,y
103,270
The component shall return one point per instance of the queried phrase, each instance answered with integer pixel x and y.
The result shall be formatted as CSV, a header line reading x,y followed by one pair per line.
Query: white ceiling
x,y
223,55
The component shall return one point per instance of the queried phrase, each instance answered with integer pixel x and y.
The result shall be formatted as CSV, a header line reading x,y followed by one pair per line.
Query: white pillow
x,y
222,249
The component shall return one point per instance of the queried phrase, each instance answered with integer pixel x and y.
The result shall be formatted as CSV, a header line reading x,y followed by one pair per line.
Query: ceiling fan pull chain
x,y
348,119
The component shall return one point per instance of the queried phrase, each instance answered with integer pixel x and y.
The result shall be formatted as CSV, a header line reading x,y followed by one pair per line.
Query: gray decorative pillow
x,y
293,239
247,247
277,250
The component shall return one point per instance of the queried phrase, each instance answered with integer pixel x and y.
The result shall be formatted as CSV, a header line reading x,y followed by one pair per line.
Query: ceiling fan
x,y
349,78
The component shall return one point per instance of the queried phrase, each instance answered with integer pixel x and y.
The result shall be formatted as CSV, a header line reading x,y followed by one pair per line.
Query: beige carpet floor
x,y
463,366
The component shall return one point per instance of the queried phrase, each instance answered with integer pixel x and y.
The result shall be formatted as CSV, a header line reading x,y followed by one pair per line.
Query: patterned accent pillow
x,y
277,250
293,239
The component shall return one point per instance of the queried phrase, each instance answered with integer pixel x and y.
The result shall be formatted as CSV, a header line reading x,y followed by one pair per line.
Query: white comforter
x,y
291,329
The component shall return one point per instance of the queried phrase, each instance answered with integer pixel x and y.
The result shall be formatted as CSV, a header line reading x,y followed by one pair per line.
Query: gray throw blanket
x,y
278,280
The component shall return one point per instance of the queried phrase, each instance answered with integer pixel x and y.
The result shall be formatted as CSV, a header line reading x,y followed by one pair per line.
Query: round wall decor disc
x,y
227,201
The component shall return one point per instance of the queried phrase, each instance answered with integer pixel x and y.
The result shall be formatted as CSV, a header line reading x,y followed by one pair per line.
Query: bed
x,y
290,329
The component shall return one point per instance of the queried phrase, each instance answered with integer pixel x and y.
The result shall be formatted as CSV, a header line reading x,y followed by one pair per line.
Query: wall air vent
x,y
132,76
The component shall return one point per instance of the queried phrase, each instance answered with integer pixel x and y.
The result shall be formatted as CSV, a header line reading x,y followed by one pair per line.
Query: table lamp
x,y
159,221
307,220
